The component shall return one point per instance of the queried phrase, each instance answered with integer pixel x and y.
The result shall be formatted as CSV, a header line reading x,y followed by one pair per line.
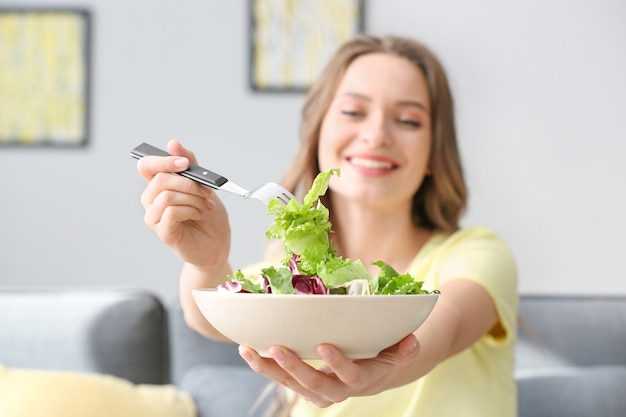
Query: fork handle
x,y
194,172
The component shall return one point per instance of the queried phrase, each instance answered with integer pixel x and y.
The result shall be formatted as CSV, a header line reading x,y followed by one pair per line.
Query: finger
x,y
402,352
174,147
163,181
176,207
149,166
270,368
409,347
168,228
170,189
266,367
317,386
346,370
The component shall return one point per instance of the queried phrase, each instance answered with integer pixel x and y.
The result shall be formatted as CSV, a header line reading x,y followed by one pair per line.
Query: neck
x,y
373,234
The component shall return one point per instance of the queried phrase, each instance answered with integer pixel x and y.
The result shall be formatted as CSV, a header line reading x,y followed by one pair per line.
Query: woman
x,y
382,112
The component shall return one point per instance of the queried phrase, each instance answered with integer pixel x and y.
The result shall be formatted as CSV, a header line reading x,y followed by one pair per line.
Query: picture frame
x,y
291,41
44,76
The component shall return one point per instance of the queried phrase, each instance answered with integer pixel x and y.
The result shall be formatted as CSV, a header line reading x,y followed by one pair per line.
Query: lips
x,y
372,162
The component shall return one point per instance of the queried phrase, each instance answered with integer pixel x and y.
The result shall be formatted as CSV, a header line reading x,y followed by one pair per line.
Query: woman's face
x,y
377,131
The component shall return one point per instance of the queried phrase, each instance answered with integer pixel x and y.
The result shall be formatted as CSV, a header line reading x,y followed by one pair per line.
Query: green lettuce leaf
x,y
280,280
348,270
247,284
304,228
391,282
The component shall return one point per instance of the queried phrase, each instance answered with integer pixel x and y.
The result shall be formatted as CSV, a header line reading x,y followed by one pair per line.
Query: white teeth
x,y
370,163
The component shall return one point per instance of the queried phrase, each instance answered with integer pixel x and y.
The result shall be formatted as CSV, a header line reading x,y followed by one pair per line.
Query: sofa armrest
x,y
574,392
117,332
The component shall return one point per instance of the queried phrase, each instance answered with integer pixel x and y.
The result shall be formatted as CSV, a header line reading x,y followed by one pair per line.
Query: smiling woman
x,y
378,133
381,112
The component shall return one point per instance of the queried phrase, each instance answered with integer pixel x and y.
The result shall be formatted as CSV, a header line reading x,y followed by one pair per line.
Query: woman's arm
x,y
192,221
192,277
463,314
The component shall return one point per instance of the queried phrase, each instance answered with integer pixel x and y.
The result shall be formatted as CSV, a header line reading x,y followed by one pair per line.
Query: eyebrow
x,y
412,103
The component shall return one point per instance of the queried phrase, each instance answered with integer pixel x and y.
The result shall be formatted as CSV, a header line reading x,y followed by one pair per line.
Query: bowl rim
x,y
225,293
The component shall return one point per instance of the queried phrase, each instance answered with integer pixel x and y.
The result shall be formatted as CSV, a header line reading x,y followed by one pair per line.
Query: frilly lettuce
x,y
311,265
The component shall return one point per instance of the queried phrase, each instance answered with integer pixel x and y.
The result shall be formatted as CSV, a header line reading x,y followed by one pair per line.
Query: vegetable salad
x,y
311,264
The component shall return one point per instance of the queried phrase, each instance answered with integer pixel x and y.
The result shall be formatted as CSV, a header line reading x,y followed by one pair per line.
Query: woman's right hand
x,y
186,216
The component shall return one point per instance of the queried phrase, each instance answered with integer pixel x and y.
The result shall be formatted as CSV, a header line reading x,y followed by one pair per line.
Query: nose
x,y
374,131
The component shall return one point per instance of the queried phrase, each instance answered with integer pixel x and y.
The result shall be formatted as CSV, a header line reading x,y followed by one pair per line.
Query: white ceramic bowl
x,y
359,325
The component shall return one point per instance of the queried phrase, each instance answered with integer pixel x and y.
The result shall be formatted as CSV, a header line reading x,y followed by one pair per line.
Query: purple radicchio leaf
x,y
265,284
230,286
293,264
303,284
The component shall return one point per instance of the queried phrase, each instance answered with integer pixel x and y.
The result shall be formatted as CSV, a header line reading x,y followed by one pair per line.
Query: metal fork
x,y
264,193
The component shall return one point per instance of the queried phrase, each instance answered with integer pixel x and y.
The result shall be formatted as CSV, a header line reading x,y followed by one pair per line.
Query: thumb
x,y
174,147
409,347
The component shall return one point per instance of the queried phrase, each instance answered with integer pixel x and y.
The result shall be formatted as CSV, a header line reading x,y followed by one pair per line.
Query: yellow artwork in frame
x,y
44,77
291,40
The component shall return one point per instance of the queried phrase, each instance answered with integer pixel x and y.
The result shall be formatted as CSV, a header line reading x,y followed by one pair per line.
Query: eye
x,y
350,113
410,122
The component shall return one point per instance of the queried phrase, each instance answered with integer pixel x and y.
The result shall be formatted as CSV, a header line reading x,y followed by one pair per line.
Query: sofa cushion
x,y
573,392
213,373
568,331
117,332
226,391
189,349
28,392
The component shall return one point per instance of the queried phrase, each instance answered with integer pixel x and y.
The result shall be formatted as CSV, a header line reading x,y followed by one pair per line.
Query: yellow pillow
x,y
43,393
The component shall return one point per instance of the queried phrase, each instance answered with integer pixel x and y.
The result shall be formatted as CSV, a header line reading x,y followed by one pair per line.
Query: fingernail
x,y
206,191
324,352
243,352
180,162
278,355
210,204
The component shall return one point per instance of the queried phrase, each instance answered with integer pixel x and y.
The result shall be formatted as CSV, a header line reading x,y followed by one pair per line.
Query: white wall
x,y
540,94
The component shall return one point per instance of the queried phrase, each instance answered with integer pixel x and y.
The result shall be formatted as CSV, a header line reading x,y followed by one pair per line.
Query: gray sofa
x,y
131,334
571,357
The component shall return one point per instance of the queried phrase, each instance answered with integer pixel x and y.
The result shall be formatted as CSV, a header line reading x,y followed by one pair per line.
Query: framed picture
x,y
291,40
44,77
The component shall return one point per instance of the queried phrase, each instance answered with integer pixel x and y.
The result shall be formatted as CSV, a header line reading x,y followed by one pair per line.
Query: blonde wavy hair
x,y
442,197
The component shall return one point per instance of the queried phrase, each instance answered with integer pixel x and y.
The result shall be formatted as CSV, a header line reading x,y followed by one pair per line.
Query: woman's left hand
x,y
339,378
